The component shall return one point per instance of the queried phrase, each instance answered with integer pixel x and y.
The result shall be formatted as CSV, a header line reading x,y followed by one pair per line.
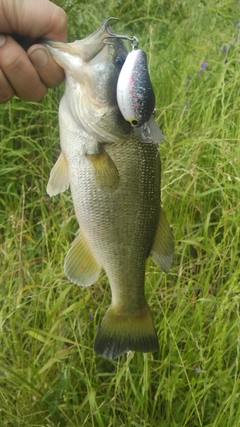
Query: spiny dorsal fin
x,y
163,246
105,171
59,178
80,265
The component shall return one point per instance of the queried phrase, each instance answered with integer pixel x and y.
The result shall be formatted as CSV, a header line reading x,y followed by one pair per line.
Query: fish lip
x,y
86,48
72,49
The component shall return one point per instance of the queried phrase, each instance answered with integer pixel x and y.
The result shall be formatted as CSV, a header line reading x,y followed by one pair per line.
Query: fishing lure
x,y
135,95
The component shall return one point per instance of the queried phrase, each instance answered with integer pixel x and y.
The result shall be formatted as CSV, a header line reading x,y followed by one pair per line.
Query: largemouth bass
x,y
114,176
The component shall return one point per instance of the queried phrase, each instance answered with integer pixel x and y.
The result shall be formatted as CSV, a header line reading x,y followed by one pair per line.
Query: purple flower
x,y
203,67
197,370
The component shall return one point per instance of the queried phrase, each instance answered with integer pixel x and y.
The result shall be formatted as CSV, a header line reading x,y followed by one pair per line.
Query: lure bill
x,y
135,95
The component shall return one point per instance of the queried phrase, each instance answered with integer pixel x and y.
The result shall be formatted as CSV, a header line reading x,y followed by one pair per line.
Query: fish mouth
x,y
82,50
92,66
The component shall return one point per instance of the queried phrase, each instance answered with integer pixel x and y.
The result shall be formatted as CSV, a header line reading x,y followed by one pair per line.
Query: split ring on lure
x,y
135,95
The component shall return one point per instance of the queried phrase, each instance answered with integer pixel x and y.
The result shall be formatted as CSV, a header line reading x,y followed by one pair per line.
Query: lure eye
x,y
134,123
119,61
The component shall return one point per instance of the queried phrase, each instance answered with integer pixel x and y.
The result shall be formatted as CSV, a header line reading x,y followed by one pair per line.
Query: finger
x,y
33,18
57,28
20,72
48,70
6,90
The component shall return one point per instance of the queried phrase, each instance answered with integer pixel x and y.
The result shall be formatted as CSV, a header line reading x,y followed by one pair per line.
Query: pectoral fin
x,y
105,171
80,265
163,246
59,178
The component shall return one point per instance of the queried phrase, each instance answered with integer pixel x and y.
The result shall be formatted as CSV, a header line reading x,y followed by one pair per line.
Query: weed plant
x,y
49,373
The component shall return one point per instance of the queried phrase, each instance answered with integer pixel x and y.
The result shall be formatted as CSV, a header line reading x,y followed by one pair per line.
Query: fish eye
x,y
119,61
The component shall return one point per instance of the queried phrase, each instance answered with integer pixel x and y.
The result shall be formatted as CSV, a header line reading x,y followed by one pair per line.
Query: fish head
x,y
92,67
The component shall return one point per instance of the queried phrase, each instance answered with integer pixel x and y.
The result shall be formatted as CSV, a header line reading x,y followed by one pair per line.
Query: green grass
x,y
49,373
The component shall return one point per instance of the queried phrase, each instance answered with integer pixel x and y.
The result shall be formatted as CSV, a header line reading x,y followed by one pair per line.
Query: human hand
x,y
28,74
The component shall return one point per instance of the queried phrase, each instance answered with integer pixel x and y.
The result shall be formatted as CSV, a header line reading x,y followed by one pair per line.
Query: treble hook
x,y
132,39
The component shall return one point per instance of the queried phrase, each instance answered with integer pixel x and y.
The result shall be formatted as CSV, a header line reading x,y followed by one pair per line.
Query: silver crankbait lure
x,y
135,95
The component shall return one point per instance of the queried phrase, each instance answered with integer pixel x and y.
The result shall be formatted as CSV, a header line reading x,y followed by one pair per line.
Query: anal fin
x,y
163,246
59,178
80,265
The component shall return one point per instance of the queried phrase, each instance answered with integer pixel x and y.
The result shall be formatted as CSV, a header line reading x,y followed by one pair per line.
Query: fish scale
x,y
114,177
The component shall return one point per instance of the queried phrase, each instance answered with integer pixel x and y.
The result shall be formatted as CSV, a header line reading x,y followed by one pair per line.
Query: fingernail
x,y
39,58
2,39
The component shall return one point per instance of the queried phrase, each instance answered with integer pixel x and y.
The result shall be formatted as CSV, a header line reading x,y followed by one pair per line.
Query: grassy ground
x,y
49,374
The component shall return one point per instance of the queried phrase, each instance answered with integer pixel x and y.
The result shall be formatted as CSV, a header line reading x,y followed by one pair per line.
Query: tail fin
x,y
119,333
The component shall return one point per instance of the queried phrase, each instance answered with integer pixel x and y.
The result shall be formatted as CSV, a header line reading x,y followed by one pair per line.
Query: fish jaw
x,y
72,56
68,56
86,48
64,55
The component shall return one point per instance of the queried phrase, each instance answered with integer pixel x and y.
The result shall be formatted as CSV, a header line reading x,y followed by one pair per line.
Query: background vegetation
x,y
49,373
